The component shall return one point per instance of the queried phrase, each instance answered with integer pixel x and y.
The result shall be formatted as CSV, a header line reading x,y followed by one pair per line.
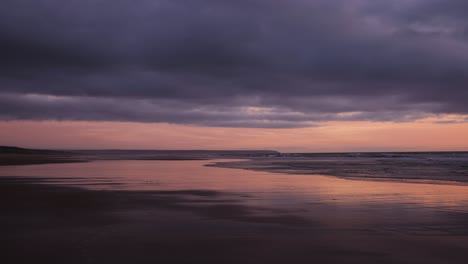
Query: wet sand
x,y
53,224
215,215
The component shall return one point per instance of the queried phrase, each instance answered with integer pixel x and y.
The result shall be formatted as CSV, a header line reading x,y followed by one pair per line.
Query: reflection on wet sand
x,y
266,217
293,189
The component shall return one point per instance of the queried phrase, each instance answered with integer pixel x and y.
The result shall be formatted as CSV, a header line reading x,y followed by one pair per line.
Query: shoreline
x,y
430,167
44,222
31,159
354,170
386,170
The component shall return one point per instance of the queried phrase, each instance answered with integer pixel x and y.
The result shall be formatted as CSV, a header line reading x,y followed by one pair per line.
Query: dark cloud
x,y
252,63
46,107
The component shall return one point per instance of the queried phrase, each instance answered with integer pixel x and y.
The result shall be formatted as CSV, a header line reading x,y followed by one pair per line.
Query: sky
x,y
296,75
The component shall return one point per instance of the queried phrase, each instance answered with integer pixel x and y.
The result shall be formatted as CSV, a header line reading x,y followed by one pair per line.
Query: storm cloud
x,y
246,63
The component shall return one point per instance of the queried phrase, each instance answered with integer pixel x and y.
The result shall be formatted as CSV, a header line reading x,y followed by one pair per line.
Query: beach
x,y
146,211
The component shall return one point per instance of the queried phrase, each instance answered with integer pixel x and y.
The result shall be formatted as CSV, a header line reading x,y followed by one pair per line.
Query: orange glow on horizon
x,y
329,137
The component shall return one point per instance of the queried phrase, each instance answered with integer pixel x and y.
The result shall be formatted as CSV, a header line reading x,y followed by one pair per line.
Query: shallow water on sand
x,y
293,216
301,193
